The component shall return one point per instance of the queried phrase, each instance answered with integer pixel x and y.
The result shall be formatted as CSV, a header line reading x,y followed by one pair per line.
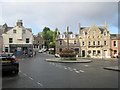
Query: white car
x,y
41,51
57,55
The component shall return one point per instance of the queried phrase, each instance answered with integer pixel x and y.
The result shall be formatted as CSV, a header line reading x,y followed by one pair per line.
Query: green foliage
x,y
49,37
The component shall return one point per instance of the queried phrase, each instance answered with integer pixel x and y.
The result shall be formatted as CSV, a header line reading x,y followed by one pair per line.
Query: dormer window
x,y
105,34
14,31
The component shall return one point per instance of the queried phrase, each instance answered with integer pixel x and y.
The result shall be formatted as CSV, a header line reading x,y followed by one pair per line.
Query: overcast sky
x,y
37,15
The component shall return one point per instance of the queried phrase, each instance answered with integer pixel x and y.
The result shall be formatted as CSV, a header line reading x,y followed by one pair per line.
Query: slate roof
x,y
115,36
101,28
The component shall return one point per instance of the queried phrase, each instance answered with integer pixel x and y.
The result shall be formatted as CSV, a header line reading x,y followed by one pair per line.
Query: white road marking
x,y
81,71
86,65
65,68
31,78
77,71
39,83
25,74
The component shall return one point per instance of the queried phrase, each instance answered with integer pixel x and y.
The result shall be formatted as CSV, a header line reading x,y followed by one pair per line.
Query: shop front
x,y
21,49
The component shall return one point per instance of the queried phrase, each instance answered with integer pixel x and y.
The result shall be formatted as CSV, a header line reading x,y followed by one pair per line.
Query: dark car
x,y
9,64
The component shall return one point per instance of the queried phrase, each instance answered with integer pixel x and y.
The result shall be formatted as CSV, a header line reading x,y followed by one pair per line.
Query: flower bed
x,y
68,54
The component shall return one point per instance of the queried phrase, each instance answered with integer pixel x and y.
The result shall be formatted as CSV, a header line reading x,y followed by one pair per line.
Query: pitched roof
x,y
101,28
115,36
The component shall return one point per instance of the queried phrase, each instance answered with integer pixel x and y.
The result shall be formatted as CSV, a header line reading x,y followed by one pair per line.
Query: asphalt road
x,y
37,73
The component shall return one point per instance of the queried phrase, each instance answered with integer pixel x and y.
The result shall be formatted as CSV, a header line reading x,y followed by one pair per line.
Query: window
x,y
27,40
10,40
93,42
98,52
60,49
14,31
60,42
104,33
94,52
98,42
83,43
89,43
115,44
6,49
105,43
38,41
75,42
115,51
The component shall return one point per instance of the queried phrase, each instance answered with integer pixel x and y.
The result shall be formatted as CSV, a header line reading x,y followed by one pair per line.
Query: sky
x,y
59,14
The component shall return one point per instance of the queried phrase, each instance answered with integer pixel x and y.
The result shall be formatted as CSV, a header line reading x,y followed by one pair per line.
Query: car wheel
x,y
16,71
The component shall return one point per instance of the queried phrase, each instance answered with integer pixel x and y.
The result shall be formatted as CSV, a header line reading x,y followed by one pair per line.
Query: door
x,y
83,53
105,53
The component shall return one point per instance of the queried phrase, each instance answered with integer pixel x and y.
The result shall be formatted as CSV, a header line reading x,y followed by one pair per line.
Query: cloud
x,y
37,15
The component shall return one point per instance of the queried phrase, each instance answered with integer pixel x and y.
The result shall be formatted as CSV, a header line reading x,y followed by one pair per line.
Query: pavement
x,y
59,60
114,68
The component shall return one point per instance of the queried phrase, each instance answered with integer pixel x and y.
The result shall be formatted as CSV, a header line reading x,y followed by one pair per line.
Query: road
x,y
35,72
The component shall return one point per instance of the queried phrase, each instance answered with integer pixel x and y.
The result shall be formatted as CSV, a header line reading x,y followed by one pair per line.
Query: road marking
x,y
25,74
86,65
31,78
65,68
81,71
39,83
74,69
77,71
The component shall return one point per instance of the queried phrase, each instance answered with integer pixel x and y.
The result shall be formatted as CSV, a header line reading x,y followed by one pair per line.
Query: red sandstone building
x,y
115,44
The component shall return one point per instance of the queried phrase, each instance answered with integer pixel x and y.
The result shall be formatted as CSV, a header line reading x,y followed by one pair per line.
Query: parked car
x,y
42,50
57,55
9,63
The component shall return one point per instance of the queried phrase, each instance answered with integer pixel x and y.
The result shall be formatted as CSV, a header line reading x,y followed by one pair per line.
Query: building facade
x,y
115,44
94,41
61,42
17,39
1,39
38,42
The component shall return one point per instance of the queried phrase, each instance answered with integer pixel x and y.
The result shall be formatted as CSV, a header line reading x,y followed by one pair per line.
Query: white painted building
x,y
17,39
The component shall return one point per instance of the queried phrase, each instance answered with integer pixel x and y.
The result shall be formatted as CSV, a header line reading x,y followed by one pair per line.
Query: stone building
x,y
38,42
61,42
94,41
115,44
1,39
17,39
